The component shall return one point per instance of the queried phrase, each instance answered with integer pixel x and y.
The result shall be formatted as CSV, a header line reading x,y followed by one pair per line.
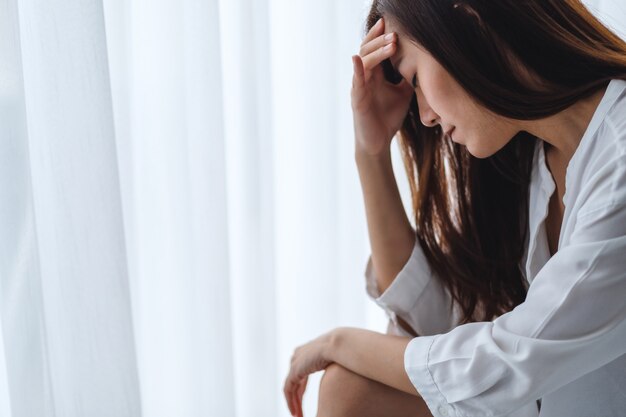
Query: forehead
x,y
403,44
391,27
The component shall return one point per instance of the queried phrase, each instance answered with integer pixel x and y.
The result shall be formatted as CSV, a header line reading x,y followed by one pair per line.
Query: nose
x,y
428,117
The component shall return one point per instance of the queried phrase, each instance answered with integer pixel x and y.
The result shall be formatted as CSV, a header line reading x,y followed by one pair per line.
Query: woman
x,y
508,297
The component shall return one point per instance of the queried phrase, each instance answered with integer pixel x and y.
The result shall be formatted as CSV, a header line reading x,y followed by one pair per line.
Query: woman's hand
x,y
306,359
379,107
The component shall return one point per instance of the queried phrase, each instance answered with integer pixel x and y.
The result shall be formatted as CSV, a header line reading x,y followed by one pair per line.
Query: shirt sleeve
x,y
416,296
572,322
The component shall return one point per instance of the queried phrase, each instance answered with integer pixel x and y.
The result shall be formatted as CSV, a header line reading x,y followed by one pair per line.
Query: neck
x,y
563,131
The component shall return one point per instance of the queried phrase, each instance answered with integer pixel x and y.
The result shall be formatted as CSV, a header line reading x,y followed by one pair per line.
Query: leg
x,y
346,394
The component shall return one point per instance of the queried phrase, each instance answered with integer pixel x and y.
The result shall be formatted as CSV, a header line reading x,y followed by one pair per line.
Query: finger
x,y
289,398
359,72
377,43
377,29
374,59
359,92
298,404
300,392
290,403
302,387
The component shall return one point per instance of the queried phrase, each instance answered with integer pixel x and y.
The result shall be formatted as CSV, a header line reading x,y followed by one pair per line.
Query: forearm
x,y
377,356
392,237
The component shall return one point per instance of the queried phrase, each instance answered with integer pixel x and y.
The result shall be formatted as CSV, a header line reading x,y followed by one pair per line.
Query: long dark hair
x,y
472,214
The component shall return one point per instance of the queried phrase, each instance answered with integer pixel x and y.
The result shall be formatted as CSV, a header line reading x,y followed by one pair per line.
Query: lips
x,y
449,132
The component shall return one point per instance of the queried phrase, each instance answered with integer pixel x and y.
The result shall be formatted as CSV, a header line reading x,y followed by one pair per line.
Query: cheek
x,y
439,90
444,98
451,103
489,136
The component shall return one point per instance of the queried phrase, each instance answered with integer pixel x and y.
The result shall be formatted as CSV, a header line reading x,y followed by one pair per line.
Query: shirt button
x,y
443,411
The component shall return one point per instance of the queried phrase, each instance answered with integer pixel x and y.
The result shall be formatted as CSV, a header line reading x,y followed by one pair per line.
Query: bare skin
x,y
344,394
379,109
556,206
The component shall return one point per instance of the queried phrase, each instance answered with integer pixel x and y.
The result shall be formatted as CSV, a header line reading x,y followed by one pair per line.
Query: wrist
x,y
364,157
332,344
371,148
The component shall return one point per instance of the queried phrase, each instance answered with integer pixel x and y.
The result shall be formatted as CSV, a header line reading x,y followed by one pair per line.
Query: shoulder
x,y
596,175
611,132
595,196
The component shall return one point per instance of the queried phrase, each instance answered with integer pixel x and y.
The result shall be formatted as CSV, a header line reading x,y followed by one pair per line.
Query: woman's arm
x,y
391,235
379,109
377,356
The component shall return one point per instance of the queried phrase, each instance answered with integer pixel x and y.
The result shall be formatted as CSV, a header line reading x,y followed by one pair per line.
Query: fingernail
x,y
388,47
389,36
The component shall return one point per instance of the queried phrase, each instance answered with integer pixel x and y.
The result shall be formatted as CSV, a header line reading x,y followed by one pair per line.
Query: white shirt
x,y
566,344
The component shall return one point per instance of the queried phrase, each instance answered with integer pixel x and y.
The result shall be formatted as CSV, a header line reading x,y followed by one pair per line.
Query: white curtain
x,y
242,207
179,205
65,307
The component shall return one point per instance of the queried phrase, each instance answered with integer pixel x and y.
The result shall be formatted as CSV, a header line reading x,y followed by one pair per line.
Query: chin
x,y
482,149
479,152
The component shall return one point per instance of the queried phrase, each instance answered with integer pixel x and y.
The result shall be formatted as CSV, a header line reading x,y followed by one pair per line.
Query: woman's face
x,y
441,100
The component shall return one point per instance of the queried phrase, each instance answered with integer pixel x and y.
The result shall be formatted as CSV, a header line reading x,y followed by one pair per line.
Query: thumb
x,y
359,71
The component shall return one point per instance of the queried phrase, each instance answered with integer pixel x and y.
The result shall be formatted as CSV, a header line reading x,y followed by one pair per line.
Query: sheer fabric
x,y
179,206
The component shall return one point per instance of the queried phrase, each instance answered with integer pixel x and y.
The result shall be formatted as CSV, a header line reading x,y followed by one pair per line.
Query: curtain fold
x,y
183,220
65,302
21,309
245,58
168,101
321,245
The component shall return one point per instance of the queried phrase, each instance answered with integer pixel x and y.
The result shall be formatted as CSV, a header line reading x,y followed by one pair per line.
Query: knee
x,y
342,393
